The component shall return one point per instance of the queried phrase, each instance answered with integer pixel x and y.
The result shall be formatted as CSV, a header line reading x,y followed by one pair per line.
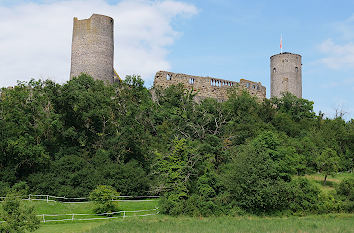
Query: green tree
x,y
328,162
103,197
255,180
174,172
18,217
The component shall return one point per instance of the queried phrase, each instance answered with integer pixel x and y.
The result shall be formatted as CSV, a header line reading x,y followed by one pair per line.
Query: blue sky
x,y
220,38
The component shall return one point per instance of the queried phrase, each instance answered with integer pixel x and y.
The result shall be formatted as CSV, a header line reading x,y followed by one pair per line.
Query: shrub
x,y
254,178
4,188
345,191
103,197
21,188
18,216
346,188
304,196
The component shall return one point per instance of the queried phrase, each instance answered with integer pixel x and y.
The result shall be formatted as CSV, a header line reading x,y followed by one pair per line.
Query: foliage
x,y
174,171
103,197
255,178
17,216
202,156
346,188
304,196
328,162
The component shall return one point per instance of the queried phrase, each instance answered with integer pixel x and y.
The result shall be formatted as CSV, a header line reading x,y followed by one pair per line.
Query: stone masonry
x,y
208,86
93,47
285,74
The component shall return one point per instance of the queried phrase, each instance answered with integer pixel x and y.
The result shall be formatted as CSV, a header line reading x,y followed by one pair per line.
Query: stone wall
x,y
208,86
285,74
93,47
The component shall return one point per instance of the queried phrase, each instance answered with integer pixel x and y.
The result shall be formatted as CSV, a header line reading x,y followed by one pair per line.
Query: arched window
x,y
296,69
274,70
168,77
191,81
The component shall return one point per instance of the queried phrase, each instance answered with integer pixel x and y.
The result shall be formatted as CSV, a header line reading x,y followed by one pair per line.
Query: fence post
x,y
72,219
123,214
29,197
47,198
43,218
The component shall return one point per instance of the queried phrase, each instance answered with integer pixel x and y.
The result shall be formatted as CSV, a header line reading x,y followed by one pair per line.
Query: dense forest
x,y
203,158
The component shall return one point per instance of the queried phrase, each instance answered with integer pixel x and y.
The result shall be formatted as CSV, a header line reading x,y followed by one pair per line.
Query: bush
x,y
254,178
346,188
4,188
304,196
18,216
345,191
21,188
103,197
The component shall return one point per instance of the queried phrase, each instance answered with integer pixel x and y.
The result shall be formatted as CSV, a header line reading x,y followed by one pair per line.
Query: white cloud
x,y
345,28
339,83
340,54
35,39
337,56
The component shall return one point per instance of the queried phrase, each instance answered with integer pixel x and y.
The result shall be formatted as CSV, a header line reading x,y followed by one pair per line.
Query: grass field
x,y
43,207
161,223
331,182
338,223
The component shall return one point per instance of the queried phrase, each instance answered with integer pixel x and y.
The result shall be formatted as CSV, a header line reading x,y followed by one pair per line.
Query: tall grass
x,y
156,224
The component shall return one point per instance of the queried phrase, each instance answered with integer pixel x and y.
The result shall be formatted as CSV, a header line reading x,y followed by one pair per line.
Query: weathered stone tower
x,y
93,47
285,74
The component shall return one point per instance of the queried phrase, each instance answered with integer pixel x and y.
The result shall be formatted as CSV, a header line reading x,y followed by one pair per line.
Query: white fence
x,y
83,217
48,198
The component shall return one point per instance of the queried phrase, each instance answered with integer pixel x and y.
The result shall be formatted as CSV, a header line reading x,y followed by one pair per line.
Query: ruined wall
x,y
208,86
285,74
93,47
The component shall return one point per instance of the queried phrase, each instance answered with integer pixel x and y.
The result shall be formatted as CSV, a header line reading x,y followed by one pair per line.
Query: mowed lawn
x,y
43,207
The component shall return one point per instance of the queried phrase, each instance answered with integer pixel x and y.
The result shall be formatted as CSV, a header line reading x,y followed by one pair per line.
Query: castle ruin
x,y
285,74
93,49
208,87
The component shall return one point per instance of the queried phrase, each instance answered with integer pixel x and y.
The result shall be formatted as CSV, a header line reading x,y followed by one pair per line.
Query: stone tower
x,y
93,47
285,74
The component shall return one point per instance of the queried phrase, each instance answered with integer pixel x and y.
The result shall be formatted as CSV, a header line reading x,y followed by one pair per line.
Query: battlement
x,y
208,87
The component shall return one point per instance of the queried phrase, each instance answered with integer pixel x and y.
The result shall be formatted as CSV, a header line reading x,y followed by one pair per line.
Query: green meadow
x,y
161,223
